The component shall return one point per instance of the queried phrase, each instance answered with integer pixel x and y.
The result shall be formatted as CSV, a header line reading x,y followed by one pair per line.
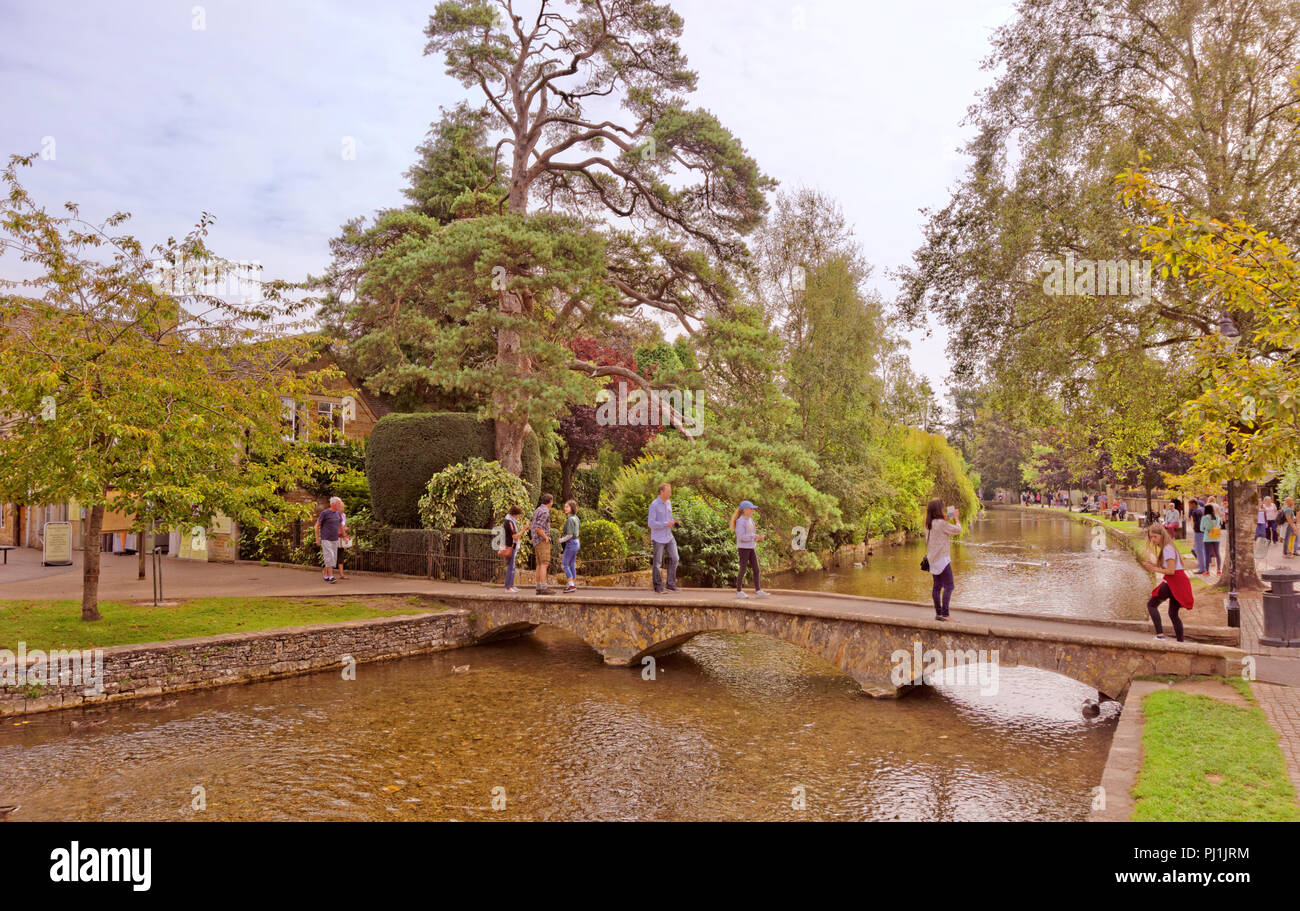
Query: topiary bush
x,y
604,549
406,450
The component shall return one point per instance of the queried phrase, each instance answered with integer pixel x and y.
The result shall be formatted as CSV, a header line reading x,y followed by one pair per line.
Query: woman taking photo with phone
x,y
940,526
1174,585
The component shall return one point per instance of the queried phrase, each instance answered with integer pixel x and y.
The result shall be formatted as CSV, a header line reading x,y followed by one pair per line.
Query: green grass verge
x,y
1208,761
58,624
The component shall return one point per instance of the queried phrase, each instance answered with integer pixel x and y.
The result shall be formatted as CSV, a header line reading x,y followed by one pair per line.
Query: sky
x,y
248,110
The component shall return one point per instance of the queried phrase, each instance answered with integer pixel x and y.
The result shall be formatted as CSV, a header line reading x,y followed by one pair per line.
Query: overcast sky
x,y
242,108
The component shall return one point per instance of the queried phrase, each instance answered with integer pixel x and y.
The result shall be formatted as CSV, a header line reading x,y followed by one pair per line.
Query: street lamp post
x,y
1231,334
1234,607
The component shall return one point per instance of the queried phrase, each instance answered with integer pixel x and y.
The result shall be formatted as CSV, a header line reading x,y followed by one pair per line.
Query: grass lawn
x,y
1208,761
58,624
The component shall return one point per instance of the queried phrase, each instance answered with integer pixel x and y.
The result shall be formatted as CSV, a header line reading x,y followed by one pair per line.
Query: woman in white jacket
x,y
940,526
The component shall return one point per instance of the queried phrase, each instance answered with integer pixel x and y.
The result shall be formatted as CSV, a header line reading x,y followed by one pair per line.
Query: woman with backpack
x,y
940,526
1213,531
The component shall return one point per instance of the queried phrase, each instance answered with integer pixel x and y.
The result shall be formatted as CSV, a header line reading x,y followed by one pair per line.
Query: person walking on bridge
x,y
747,538
940,526
1174,585
661,523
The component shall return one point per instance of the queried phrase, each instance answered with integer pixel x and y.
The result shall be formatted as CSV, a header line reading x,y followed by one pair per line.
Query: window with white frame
x,y
289,418
329,415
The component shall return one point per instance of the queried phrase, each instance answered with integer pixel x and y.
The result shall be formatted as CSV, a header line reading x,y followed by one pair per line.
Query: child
x,y
1174,585
569,541
747,538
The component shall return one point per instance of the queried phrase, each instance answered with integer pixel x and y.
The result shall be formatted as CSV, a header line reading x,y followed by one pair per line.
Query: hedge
x,y
406,450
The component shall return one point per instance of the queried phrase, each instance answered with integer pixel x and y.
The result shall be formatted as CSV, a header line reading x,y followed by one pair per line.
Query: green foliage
x,y
127,381
705,543
406,450
947,471
471,494
603,547
587,487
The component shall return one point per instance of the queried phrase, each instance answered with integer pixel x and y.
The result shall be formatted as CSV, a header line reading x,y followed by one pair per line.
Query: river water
x,y
732,727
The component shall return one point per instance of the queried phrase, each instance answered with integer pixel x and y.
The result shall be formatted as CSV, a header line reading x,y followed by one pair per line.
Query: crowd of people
x,y
942,523
1206,517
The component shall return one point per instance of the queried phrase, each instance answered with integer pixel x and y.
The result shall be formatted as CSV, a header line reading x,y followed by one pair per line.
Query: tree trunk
x,y
567,469
139,549
1149,510
90,564
510,446
1244,510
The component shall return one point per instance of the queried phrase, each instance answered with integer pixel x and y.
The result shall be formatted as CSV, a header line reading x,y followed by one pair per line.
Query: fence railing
x,y
466,555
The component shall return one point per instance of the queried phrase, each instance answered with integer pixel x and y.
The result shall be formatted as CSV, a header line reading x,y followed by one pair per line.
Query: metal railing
x,y
466,555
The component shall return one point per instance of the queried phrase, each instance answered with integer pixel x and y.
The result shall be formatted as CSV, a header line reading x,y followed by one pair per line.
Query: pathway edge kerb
x,y
1124,758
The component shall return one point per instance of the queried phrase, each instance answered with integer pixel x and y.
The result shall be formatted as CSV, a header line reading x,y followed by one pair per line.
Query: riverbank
x,y
1195,750
159,668
1127,533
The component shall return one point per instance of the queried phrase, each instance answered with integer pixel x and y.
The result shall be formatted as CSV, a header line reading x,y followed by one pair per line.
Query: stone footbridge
x,y
861,636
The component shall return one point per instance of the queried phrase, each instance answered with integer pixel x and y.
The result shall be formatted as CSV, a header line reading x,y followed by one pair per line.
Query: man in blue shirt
x,y
661,538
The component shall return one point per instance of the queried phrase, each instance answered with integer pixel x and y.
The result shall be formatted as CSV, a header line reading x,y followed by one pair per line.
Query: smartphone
x,y
952,511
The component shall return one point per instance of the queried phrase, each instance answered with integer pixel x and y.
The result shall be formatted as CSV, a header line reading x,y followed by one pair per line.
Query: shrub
x,y
471,494
706,544
550,483
406,450
603,547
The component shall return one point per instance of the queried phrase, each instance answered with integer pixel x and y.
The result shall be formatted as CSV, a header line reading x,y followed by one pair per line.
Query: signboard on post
x,y
58,544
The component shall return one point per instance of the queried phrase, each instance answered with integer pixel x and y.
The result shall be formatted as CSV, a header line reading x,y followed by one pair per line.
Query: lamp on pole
x,y
1231,334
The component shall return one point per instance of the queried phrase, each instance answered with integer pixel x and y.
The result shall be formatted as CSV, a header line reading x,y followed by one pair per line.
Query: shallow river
x,y
733,727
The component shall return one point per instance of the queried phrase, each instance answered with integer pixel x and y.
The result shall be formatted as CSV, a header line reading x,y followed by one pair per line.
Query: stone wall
x,y
136,671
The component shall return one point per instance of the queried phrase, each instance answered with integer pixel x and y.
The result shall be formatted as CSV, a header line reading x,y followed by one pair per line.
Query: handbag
x,y
925,561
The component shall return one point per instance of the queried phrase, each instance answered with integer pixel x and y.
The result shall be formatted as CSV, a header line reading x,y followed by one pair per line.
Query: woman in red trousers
x,y
1174,585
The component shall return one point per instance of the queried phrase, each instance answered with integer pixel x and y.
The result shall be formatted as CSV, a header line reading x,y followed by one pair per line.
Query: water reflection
x,y
1009,560
734,727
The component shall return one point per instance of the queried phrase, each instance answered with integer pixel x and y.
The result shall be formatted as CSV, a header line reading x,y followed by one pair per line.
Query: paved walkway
x,y
26,579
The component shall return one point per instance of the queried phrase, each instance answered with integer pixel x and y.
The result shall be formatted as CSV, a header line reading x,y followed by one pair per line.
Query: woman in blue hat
x,y
747,538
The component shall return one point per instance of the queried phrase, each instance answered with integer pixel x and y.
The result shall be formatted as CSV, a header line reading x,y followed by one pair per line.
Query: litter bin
x,y
1281,609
